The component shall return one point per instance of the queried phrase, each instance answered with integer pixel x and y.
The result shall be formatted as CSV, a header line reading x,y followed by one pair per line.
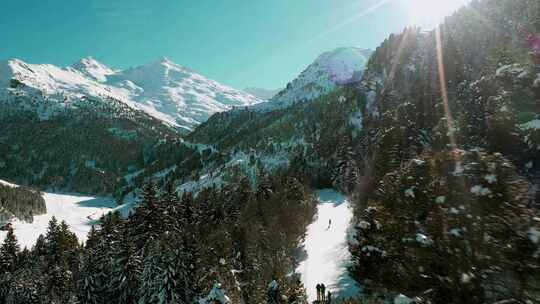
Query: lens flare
x,y
429,13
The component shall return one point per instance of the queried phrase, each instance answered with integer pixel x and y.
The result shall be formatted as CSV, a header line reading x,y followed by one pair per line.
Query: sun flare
x,y
428,13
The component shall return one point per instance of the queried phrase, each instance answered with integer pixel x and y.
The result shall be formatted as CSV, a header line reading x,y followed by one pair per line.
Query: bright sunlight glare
x,y
429,13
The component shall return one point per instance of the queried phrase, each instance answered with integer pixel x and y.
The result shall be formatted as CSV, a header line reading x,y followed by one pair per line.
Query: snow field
x,y
327,252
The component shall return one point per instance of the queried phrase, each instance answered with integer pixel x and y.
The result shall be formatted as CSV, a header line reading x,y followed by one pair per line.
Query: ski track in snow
x,y
327,249
79,212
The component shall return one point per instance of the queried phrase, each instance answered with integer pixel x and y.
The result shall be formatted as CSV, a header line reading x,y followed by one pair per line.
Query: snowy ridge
x,y
330,69
92,68
163,89
261,93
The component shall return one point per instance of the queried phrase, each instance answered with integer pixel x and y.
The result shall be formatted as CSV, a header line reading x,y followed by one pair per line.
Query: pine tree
x,y
125,273
93,279
145,223
8,252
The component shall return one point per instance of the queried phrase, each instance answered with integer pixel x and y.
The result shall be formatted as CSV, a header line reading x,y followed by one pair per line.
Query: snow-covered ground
x,y
77,210
326,247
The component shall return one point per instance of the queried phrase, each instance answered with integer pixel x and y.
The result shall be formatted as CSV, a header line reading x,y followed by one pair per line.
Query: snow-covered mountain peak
x,y
157,71
92,68
184,96
330,69
342,63
165,90
6,73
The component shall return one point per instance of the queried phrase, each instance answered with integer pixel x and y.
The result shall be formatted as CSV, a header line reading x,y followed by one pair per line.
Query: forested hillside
x,y
88,148
19,202
444,205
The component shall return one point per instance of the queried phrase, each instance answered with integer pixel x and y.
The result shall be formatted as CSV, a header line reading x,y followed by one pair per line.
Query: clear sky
x,y
263,43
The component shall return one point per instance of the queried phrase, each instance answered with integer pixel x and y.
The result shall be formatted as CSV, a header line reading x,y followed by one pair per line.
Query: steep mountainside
x,y
83,145
445,200
304,136
278,135
325,74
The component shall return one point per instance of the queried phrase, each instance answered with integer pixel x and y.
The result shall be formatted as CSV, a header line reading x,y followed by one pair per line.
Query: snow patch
x,y
440,199
511,69
216,295
531,125
534,235
423,239
466,277
409,192
402,299
455,232
479,190
491,178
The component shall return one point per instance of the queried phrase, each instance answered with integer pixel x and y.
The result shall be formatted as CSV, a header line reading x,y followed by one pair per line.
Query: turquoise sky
x,y
263,43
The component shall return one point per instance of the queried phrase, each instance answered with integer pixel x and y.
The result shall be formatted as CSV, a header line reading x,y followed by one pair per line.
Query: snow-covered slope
x,y
327,248
93,69
261,93
163,89
330,69
79,212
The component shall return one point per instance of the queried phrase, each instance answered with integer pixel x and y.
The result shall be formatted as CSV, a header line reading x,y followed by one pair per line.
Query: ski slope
x,y
327,253
78,211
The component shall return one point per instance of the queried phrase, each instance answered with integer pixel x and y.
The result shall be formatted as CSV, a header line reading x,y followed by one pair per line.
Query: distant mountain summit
x,y
91,68
165,90
262,93
340,66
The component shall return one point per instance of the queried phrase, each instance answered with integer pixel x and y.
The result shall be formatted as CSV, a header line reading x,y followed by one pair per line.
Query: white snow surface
x,y
327,253
79,212
163,89
402,299
531,125
216,295
2,182
330,69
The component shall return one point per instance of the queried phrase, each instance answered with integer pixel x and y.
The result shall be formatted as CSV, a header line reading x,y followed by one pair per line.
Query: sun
x,y
429,13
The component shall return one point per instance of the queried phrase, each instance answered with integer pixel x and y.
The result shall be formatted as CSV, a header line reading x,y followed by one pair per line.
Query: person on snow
x,y
323,294
329,223
329,298
318,287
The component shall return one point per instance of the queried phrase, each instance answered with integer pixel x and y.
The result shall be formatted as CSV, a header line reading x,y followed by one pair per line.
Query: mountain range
x,y
170,92
127,109
167,91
